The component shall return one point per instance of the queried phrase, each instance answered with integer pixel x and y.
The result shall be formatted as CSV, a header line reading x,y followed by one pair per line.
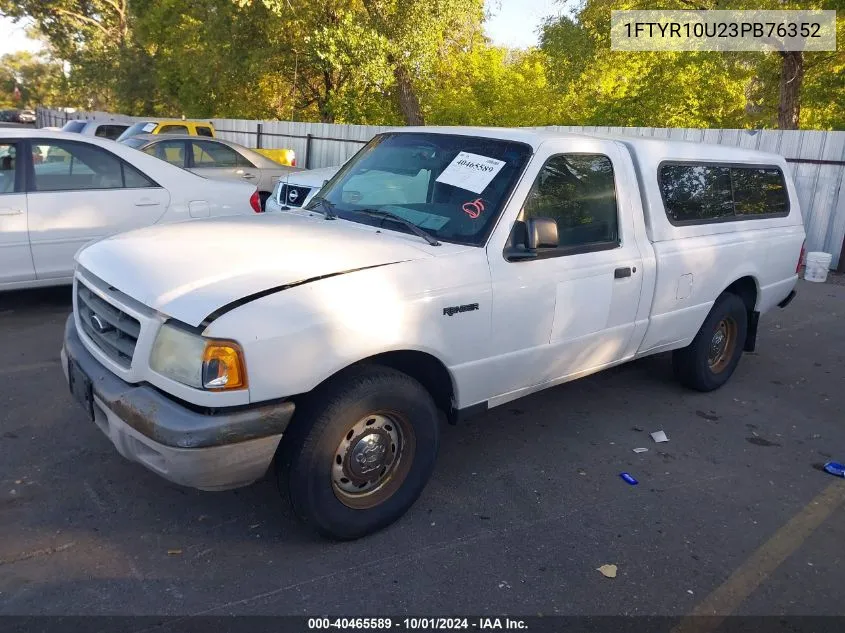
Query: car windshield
x,y
135,142
449,185
74,126
139,128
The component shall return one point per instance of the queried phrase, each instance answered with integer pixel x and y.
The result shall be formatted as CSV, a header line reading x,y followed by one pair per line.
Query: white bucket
x,y
816,266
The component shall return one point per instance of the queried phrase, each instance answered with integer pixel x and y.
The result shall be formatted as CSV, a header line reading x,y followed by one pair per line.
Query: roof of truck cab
x,y
533,137
666,149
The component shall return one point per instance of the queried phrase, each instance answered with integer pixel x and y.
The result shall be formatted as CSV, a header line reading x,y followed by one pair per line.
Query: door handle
x,y
245,174
146,202
8,211
621,273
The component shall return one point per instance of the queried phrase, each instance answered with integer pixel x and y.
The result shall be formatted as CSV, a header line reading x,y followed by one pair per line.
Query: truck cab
x,y
439,273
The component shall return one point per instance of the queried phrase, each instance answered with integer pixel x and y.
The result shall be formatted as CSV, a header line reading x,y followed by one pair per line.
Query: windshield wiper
x,y
378,213
324,206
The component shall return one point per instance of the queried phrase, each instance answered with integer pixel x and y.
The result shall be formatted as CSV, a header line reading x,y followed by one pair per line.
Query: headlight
x,y
196,361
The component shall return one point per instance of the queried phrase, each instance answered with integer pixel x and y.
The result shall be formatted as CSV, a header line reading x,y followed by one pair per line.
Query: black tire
x,y
326,419
264,196
694,365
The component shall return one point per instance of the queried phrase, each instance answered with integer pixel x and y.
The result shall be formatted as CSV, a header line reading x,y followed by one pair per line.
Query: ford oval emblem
x,y
100,326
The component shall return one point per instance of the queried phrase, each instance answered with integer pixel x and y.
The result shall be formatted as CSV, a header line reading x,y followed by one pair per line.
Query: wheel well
x,y
425,368
746,289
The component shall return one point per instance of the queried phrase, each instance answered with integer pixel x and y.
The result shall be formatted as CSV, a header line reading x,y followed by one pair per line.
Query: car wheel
x,y
711,358
359,451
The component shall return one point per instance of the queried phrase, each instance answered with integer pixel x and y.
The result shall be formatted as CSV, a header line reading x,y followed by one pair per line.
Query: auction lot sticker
x,y
472,172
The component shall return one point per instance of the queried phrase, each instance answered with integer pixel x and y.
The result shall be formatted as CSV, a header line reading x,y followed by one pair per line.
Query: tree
x,y
488,85
94,38
417,31
40,81
344,39
706,89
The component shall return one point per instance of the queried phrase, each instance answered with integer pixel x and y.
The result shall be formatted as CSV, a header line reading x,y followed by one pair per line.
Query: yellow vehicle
x,y
198,128
169,126
281,156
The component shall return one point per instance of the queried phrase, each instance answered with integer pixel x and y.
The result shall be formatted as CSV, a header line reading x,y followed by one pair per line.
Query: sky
x,y
13,37
513,23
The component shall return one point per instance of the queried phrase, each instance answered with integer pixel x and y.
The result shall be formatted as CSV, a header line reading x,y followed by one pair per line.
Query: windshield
x,y
139,128
135,142
451,186
74,126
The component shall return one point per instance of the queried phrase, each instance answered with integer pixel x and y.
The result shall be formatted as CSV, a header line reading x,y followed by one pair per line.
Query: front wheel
x,y
359,451
711,358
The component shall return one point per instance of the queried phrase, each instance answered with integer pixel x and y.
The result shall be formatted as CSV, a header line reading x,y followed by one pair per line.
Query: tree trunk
x,y
409,103
791,78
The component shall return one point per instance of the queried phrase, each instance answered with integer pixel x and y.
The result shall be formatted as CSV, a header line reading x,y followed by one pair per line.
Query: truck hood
x,y
192,269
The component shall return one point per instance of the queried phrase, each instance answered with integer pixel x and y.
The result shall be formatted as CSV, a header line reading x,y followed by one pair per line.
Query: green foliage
x,y
39,81
397,61
492,86
683,89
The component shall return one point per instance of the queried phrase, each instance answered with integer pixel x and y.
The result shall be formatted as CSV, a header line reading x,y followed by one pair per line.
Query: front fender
x,y
295,339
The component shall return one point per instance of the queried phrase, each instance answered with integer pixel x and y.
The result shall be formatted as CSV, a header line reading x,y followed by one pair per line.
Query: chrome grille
x,y
293,196
109,327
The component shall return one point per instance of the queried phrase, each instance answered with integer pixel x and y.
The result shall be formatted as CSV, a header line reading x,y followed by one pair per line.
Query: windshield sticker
x,y
149,127
473,208
472,172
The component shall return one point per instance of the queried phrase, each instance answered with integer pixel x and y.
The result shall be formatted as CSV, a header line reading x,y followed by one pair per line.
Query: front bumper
x,y
218,450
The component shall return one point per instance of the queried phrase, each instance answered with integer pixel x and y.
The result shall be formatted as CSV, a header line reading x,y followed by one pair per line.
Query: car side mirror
x,y
541,233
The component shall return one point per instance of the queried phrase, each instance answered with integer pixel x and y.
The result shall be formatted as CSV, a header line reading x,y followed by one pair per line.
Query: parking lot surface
x,y
732,515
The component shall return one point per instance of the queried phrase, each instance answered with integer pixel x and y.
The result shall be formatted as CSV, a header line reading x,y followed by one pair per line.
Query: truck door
x,y
569,309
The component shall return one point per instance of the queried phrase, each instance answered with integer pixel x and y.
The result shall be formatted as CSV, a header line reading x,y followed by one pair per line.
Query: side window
x,y
79,166
759,191
173,129
697,194
211,154
134,179
171,151
8,167
579,192
202,130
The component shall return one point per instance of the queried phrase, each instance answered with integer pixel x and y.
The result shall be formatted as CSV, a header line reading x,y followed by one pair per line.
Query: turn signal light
x,y
223,366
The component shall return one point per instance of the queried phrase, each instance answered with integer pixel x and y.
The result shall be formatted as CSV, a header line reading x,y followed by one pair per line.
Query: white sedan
x,y
60,191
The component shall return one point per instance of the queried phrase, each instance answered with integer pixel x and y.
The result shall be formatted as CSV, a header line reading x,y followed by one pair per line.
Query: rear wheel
x,y
709,361
359,452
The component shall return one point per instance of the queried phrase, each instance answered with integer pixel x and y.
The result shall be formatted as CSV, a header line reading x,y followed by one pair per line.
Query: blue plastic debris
x,y
628,479
835,468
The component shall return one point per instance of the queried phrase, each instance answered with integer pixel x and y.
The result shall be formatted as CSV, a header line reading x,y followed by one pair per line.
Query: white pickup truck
x,y
493,263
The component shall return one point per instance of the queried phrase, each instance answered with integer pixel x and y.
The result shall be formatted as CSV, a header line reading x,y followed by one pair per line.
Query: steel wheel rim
x,y
722,345
372,459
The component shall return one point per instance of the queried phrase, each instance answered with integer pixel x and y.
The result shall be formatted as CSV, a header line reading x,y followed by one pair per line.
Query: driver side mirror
x,y
541,233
